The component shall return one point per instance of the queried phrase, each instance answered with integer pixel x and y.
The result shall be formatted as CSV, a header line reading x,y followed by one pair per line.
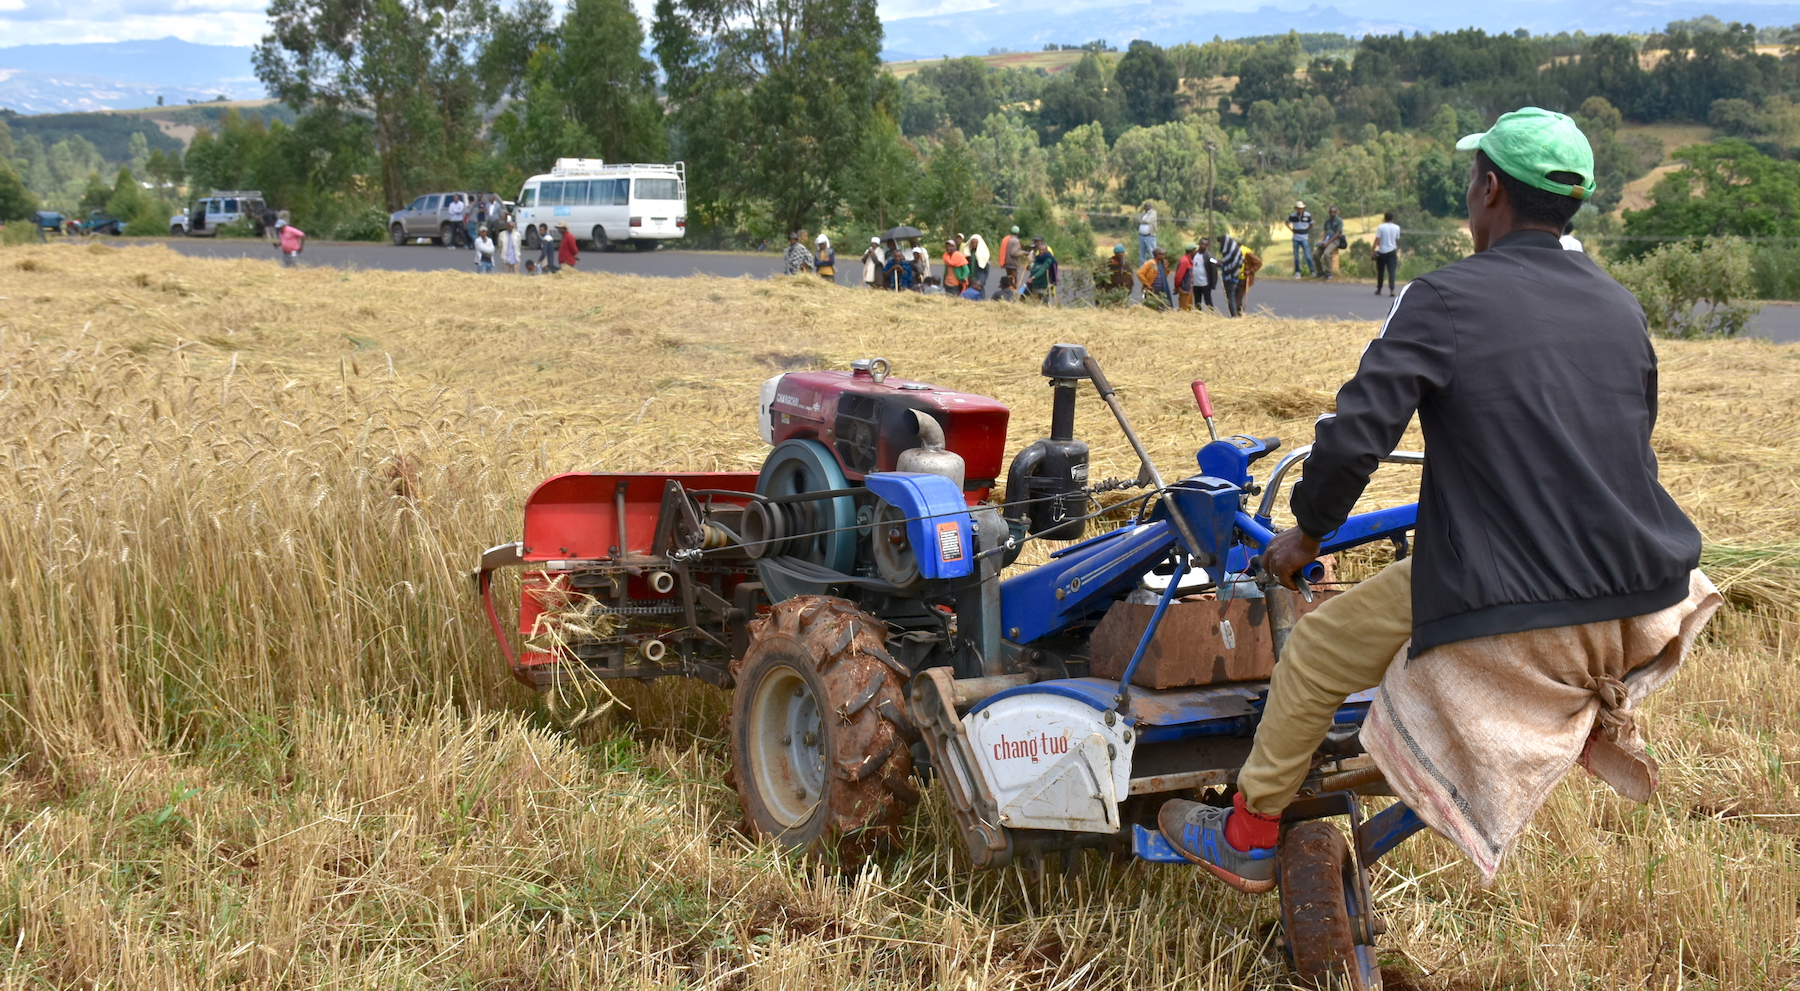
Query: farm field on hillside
x,y
1051,62
256,734
1672,136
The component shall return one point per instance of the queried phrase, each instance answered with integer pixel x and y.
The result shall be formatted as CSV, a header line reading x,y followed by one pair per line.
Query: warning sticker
x,y
950,543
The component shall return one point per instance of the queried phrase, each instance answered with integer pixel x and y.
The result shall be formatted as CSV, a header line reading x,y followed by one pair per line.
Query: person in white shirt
x,y
1300,222
976,249
484,252
873,259
922,262
1387,252
1569,241
1206,276
1146,233
506,244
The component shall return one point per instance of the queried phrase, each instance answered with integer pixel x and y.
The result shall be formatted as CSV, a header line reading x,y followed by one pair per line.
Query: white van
x,y
211,213
605,204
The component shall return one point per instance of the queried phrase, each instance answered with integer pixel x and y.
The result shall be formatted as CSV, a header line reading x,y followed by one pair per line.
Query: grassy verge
x,y
254,732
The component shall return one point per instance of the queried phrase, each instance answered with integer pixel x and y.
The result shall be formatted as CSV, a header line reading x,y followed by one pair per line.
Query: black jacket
x,y
1535,385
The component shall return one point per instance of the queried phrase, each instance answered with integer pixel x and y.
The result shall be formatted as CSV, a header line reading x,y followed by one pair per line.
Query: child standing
x,y
293,241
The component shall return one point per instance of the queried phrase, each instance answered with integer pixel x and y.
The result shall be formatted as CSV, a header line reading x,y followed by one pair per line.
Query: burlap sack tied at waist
x,y
1474,735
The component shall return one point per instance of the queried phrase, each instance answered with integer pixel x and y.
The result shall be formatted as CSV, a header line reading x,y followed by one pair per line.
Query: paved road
x,y
431,257
1307,298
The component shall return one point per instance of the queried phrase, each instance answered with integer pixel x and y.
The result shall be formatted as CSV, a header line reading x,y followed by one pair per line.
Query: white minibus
x,y
606,204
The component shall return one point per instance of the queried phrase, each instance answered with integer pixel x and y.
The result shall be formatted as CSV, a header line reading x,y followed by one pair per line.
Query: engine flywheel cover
x,y
819,531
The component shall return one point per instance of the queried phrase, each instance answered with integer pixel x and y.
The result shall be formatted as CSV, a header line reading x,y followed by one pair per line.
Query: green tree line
x,y
787,119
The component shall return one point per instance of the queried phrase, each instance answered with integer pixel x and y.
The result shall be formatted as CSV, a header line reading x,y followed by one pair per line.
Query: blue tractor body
x,y
851,597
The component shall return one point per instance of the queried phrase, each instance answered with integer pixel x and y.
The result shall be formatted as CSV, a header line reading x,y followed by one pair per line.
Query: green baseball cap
x,y
1530,143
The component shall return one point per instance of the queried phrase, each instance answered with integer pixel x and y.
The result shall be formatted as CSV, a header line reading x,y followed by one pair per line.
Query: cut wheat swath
x,y
256,733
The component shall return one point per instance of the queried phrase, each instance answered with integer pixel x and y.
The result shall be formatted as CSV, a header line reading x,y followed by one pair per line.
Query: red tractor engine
x,y
865,416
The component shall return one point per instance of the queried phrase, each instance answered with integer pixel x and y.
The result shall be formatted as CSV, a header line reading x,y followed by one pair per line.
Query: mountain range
x,y
122,75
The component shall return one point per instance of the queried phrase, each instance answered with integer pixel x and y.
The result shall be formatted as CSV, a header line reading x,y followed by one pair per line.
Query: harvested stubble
x,y
258,736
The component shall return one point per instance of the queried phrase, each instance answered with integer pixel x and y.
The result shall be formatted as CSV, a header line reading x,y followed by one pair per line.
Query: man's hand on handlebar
x,y
1291,550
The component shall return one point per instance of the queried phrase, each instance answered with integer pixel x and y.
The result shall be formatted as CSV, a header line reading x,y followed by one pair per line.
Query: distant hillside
x,y
207,114
168,128
1050,62
1025,25
110,134
39,79
1053,62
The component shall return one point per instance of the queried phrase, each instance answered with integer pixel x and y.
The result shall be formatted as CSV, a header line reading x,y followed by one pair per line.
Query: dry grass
x,y
254,733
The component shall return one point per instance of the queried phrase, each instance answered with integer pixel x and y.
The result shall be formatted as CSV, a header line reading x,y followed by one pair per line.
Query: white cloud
x,y
894,10
212,22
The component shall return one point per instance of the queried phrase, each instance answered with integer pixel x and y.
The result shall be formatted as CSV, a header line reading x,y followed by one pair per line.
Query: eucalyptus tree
x,y
410,66
769,101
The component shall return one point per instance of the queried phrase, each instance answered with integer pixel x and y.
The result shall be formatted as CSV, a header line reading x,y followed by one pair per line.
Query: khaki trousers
x,y
1338,649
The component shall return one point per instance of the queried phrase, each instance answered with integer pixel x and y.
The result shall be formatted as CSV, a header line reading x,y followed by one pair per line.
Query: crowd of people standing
x,y
1191,280
964,268
1319,256
484,224
1199,279
1210,274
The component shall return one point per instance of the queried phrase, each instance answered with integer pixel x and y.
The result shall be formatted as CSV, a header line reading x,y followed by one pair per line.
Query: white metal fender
x,y
1052,762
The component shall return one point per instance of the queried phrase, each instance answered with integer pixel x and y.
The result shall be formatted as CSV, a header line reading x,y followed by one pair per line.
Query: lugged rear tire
x,y
819,739
1315,916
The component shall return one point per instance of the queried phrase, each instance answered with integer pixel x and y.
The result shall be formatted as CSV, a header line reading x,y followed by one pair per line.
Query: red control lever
x,y
1202,399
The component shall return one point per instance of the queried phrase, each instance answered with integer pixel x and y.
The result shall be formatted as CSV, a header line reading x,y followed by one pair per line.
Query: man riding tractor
x,y
1555,582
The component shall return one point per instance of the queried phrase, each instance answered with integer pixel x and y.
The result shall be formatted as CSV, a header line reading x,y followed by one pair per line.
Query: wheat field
x,y
254,732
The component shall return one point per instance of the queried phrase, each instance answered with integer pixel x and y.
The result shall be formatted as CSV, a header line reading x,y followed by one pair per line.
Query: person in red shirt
x,y
1013,258
1184,277
566,253
292,240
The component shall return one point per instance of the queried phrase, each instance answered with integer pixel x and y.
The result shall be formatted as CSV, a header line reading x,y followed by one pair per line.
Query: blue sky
x,y
965,25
